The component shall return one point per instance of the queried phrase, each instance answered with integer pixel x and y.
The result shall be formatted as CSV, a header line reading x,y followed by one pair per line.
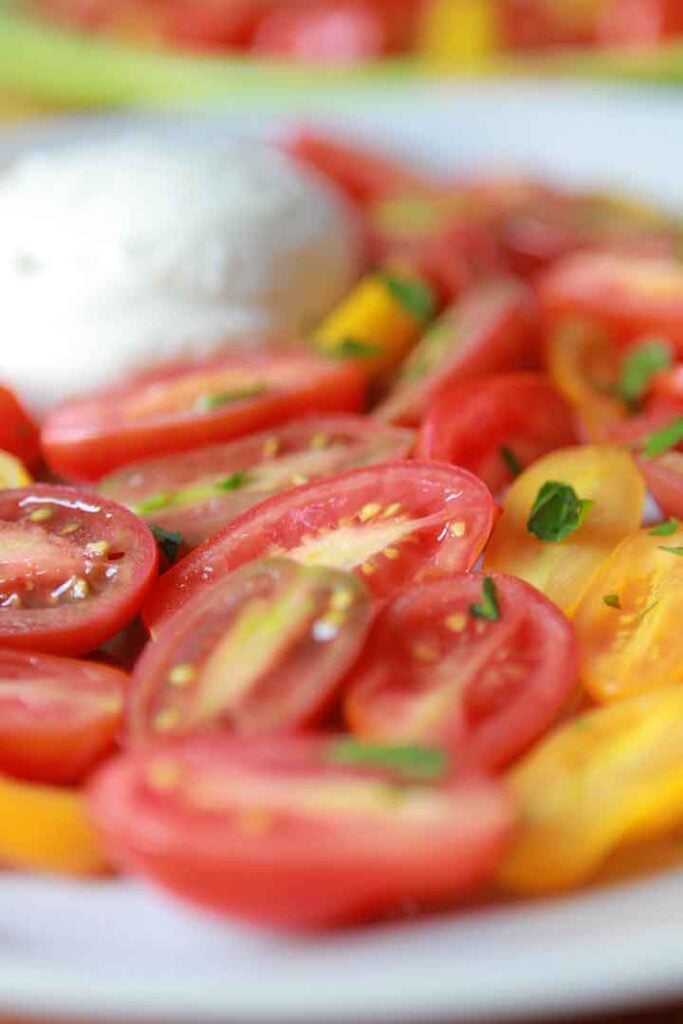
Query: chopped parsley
x,y
672,551
415,764
207,403
665,529
557,512
638,369
511,461
612,601
154,503
354,348
233,482
168,541
416,297
665,439
488,608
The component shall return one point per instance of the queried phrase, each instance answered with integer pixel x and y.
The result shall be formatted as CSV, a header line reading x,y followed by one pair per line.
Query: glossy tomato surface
x,y
263,651
664,478
291,833
74,569
58,717
175,410
196,493
18,433
392,524
435,671
495,426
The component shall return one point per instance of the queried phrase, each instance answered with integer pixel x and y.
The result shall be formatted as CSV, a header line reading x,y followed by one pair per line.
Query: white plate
x,y
116,951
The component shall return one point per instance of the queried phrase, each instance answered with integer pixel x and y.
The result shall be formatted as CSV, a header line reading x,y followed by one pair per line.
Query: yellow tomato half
x,y
610,777
629,620
607,476
13,472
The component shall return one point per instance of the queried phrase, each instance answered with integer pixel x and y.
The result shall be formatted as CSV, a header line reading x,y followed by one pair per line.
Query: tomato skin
x,y
273,461
437,496
491,329
263,651
432,674
267,844
338,34
87,438
58,717
627,297
664,479
18,433
470,423
543,24
640,23
114,582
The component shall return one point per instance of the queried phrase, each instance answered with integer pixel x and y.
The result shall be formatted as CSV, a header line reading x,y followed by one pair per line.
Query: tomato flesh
x,y
58,717
273,830
18,433
74,569
392,523
179,409
196,493
263,651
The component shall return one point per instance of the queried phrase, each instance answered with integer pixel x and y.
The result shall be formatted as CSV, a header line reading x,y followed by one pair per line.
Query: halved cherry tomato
x,y
74,569
493,328
263,651
341,33
641,23
363,175
542,24
18,433
391,523
496,425
196,493
607,477
627,296
58,717
295,831
612,776
664,479
182,408
13,472
210,24
627,622
434,672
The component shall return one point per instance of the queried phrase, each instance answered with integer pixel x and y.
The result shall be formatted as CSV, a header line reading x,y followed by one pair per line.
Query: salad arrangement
x,y
369,623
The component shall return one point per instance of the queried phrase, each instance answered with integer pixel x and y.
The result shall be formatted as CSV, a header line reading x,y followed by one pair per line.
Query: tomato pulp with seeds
x,y
263,651
196,493
74,569
496,426
492,328
394,523
285,832
58,717
483,683
178,409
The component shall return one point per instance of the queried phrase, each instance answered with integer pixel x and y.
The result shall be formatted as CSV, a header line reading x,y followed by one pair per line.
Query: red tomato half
x,y
58,717
493,328
289,832
392,523
74,569
628,297
18,433
641,23
338,34
434,673
263,651
189,406
547,24
196,493
496,426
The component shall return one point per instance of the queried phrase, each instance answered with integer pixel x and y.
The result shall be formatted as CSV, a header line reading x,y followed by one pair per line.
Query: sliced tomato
x,y
74,569
58,717
263,651
190,406
547,24
339,34
392,523
210,24
496,426
628,297
664,479
18,433
297,832
361,173
607,779
493,328
641,24
627,622
436,672
196,493
607,477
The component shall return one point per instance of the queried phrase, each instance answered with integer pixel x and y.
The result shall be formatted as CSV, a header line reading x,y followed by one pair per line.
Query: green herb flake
x,y
169,543
354,348
411,763
233,482
511,461
416,297
208,403
612,601
557,512
488,608
664,439
665,529
638,369
154,503
672,551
